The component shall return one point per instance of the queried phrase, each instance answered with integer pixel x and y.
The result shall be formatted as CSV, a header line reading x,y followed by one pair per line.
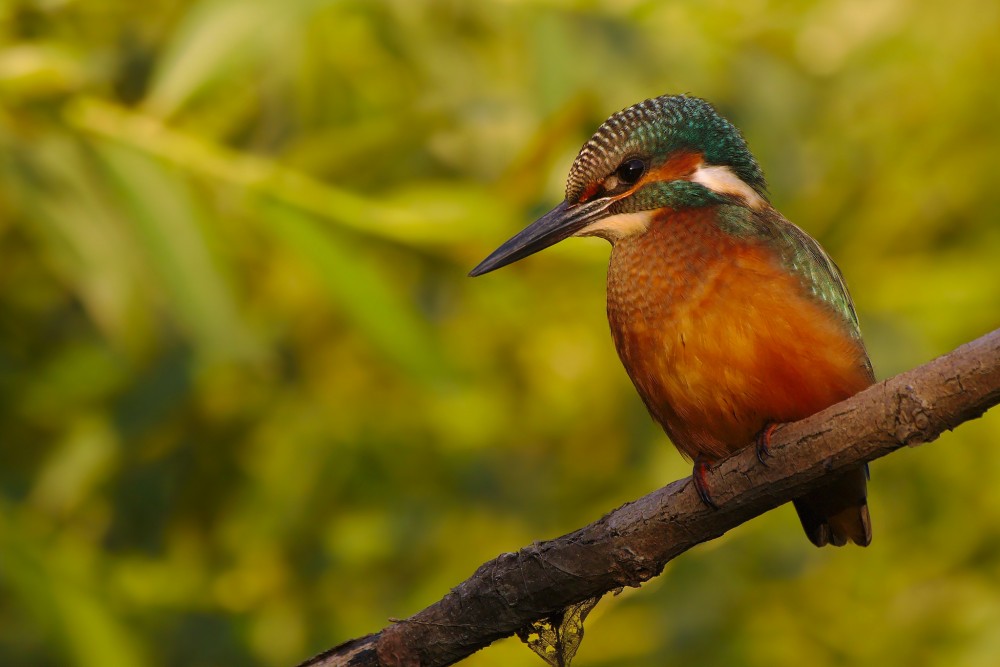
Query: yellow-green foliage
x,y
250,405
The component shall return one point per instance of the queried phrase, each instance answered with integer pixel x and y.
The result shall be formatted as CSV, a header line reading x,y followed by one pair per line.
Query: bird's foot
x,y
701,466
762,442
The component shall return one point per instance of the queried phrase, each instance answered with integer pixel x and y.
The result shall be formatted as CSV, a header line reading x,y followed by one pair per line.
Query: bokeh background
x,y
251,407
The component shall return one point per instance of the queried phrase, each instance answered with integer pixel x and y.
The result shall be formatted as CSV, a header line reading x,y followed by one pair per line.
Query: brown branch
x,y
633,543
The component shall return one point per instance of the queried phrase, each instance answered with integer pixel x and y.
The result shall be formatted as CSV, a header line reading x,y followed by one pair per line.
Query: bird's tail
x,y
838,511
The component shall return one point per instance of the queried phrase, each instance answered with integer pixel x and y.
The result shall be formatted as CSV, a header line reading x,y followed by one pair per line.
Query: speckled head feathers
x,y
665,154
656,128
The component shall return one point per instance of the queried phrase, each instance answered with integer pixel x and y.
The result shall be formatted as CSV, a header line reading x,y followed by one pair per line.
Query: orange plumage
x,y
720,338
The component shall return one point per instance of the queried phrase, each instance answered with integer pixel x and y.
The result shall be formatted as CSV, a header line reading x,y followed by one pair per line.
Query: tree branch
x,y
633,543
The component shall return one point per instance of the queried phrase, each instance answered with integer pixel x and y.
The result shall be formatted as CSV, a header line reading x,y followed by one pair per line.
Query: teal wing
x,y
801,255
821,276
805,258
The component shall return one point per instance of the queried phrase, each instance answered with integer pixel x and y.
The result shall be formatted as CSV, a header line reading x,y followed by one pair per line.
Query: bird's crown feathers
x,y
656,128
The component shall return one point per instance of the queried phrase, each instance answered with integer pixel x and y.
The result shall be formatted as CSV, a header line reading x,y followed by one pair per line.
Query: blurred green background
x,y
250,405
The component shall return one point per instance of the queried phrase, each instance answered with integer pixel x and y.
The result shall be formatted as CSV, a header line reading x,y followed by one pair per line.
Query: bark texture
x,y
632,544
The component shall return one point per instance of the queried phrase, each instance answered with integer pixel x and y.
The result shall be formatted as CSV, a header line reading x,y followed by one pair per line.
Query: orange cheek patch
x,y
681,165
678,166
589,192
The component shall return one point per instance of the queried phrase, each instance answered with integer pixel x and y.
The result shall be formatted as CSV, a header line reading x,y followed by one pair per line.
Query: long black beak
x,y
561,222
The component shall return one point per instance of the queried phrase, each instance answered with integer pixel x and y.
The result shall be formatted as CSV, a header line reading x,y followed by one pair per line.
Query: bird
x,y
728,318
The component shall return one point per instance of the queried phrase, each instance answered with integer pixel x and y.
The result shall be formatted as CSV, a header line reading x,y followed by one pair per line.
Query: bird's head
x,y
671,152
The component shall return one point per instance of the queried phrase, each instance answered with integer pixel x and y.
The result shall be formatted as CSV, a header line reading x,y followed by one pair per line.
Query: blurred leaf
x,y
360,288
464,214
48,583
169,221
89,243
37,71
215,38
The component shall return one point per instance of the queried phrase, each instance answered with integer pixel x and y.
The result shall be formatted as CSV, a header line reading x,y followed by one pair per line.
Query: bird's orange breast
x,y
719,339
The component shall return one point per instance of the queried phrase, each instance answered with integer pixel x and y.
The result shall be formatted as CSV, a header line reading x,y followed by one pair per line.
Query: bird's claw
x,y
701,466
762,442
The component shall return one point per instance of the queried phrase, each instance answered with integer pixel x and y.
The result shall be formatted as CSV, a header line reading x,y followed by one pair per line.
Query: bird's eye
x,y
630,171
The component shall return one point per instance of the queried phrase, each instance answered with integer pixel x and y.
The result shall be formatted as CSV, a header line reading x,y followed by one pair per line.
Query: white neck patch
x,y
721,179
620,226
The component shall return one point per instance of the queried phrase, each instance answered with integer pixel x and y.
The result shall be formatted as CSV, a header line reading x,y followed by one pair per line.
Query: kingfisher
x,y
728,318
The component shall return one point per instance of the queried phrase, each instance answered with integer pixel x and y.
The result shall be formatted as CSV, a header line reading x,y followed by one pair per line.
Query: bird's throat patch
x,y
619,226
